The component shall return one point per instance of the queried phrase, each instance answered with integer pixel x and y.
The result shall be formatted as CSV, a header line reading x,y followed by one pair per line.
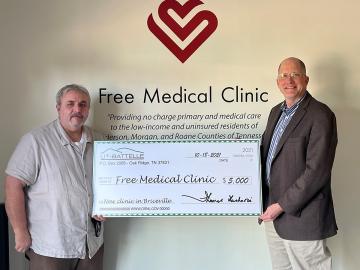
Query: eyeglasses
x,y
292,75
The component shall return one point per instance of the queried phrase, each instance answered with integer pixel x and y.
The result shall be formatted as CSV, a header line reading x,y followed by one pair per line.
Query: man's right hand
x,y
22,241
15,209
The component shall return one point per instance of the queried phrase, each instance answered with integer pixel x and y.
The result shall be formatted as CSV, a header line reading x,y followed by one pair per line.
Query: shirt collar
x,y
86,134
287,110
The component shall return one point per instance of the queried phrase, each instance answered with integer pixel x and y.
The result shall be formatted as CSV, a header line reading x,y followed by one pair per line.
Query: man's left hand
x,y
272,212
99,217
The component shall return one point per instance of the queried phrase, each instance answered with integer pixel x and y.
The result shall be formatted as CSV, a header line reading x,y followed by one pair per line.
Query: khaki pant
x,y
296,255
39,262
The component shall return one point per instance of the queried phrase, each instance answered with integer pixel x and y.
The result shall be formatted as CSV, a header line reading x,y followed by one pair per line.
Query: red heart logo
x,y
183,32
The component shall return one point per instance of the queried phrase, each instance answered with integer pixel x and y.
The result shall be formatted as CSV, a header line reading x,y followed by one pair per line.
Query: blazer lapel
x,y
293,123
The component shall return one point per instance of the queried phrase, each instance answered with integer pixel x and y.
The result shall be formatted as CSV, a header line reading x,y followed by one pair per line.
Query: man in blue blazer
x,y
297,152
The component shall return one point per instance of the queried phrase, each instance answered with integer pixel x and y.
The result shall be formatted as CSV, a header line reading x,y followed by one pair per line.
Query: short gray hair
x,y
71,87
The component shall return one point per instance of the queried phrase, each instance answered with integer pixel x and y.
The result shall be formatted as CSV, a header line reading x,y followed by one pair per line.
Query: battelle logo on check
x,y
122,154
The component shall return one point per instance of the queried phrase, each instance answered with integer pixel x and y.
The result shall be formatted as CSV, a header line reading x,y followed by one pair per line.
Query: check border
x,y
177,214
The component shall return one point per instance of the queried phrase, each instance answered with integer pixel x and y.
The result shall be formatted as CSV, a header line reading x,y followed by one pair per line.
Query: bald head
x,y
296,61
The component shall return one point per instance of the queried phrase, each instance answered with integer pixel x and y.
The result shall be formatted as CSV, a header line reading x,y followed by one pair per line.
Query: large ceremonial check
x,y
172,178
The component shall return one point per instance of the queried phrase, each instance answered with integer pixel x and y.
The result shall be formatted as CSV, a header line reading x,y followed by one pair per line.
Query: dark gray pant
x,y
39,262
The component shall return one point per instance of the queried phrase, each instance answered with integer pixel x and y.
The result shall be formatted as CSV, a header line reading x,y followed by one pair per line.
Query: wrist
x,y
21,230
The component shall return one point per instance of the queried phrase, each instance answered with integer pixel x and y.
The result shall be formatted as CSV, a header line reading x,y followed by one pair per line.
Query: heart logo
x,y
183,32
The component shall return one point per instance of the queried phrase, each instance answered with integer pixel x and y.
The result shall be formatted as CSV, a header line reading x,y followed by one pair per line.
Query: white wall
x,y
46,44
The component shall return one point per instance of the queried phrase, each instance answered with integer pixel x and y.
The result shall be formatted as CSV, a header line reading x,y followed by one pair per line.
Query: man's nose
x,y
77,108
289,78
289,81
